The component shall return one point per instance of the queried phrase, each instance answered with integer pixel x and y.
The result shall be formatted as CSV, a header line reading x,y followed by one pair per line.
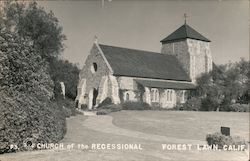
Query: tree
x,y
64,71
224,85
26,89
41,27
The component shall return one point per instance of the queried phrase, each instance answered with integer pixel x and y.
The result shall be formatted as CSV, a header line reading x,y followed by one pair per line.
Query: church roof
x,y
185,31
143,64
164,84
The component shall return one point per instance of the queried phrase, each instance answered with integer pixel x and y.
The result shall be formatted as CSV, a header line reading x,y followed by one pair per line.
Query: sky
x,y
141,24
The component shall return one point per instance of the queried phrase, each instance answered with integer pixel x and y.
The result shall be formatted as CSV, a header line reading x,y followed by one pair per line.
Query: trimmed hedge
x,y
24,117
104,110
136,106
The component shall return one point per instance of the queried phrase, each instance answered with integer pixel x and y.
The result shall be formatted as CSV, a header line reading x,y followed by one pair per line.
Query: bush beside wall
x,y
104,110
107,101
135,106
193,104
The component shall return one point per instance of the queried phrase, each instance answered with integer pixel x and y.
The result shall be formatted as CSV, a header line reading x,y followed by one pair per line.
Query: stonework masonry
x,y
96,81
93,79
129,85
194,55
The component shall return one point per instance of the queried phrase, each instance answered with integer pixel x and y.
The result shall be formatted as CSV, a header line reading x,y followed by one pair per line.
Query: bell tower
x,y
191,49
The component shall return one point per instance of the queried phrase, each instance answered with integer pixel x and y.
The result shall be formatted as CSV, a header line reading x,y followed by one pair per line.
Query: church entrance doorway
x,y
93,93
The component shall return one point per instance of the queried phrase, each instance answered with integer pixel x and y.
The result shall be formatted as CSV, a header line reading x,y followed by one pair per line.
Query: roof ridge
x,y
131,49
147,52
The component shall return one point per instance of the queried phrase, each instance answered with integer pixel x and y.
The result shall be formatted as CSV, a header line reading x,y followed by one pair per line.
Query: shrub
x,y
107,101
103,112
67,105
239,107
135,106
209,104
221,140
84,107
193,104
26,92
24,117
114,108
108,109
179,107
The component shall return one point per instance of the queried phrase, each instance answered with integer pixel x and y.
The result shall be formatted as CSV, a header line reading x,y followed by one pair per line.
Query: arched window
x,y
170,97
126,97
155,95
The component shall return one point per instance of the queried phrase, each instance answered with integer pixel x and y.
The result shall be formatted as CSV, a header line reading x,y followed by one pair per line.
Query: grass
x,y
183,124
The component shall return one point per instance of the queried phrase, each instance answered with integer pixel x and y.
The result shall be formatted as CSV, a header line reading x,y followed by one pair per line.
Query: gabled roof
x,y
185,31
143,64
164,84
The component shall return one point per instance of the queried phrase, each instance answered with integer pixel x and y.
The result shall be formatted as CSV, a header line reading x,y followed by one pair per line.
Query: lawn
x,y
151,129
183,124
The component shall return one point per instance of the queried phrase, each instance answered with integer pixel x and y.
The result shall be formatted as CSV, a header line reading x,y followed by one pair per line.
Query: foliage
x,y
107,101
26,92
64,71
224,85
33,22
209,104
104,110
22,69
44,32
67,105
84,107
193,104
240,107
129,105
221,140
24,116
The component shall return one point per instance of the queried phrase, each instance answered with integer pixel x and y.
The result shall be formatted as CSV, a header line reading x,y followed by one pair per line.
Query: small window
x,y
127,97
167,95
94,68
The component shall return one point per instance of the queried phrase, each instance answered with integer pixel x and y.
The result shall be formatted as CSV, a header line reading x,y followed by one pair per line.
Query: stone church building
x,y
159,79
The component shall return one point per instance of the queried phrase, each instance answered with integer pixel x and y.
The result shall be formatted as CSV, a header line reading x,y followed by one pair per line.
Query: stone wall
x,y
180,50
163,99
203,58
194,56
94,78
128,85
